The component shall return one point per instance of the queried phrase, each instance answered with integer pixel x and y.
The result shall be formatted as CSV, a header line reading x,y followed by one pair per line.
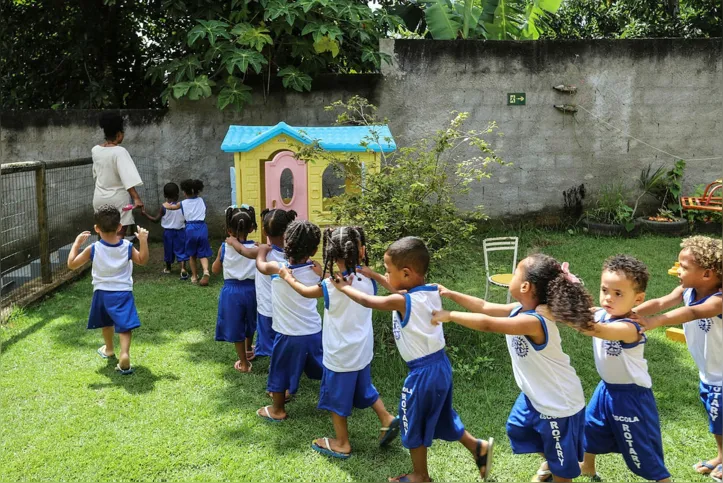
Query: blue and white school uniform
x,y
236,320
705,343
297,347
425,408
174,235
548,416
266,334
113,303
194,211
348,342
622,416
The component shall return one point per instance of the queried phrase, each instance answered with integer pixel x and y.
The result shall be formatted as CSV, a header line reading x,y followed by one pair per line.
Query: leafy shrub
x,y
611,207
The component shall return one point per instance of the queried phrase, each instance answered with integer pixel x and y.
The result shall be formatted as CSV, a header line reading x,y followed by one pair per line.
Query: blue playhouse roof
x,y
240,139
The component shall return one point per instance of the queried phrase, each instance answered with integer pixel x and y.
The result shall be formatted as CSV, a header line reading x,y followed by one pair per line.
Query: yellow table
x,y
675,333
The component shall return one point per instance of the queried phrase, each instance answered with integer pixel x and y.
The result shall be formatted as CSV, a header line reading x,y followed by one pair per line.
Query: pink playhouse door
x,y
286,184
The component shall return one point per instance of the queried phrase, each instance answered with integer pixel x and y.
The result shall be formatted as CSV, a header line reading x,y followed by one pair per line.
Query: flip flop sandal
x,y
596,478
124,372
328,451
699,465
403,478
485,459
101,352
204,280
542,475
391,432
250,355
194,280
184,275
166,271
268,415
237,366
719,479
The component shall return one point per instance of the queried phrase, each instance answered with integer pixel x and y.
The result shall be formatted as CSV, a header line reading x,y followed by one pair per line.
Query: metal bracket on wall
x,y
566,89
571,108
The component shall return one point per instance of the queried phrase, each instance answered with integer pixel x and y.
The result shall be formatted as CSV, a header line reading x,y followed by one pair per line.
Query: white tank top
x,y
112,266
173,219
543,372
263,283
235,265
618,362
347,333
415,335
294,314
194,209
705,342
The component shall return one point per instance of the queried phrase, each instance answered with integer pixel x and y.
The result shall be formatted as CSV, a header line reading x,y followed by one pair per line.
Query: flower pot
x,y
710,228
675,227
605,229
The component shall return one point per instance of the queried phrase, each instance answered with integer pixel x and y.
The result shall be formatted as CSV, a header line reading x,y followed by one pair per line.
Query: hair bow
x,y
566,271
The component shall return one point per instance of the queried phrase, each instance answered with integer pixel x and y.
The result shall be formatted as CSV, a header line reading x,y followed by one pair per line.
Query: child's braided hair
x,y
343,244
567,299
301,240
276,221
240,221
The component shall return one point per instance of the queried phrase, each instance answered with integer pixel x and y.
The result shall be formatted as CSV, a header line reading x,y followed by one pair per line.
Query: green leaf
x,y
295,79
326,44
241,59
234,93
181,89
442,21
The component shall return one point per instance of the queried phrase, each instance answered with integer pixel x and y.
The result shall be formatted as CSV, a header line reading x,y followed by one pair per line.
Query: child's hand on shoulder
x,y
285,274
317,267
142,234
443,291
264,249
645,323
340,282
366,271
82,238
440,316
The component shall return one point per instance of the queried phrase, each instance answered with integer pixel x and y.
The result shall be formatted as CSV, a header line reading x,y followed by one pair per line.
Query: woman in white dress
x,y
116,176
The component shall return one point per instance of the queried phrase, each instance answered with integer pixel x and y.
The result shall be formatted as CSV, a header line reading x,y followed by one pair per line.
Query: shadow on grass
x,y
28,331
140,382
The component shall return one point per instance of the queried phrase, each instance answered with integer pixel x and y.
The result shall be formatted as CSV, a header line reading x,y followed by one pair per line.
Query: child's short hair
x,y
170,191
276,221
707,252
343,243
633,269
107,217
411,252
192,187
301,240
111,123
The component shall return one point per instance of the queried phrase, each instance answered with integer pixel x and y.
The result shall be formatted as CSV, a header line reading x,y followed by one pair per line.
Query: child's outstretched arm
x,y
308,291
154,219
75,259
217,266
378,278
267,268
171,207
140,257
710,308
477,305
653,306
394,302
522,324
247,251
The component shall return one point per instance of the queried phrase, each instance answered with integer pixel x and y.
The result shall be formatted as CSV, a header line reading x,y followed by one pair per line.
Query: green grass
x,y
187,415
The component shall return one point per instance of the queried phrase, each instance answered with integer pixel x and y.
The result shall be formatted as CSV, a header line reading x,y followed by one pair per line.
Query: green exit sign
x,y
516,99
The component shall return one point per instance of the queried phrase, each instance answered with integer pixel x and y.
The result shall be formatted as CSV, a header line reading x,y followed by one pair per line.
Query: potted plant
x,y
666,188
611,215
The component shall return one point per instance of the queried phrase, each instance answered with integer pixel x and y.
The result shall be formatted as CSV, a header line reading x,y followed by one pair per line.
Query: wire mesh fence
x,y
44,206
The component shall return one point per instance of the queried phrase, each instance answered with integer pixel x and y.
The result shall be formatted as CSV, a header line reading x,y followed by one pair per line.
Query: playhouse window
x,y
287,186
332,184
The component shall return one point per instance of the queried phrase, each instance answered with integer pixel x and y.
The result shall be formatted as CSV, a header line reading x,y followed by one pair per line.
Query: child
x,y
700,290
348,342
297,347
275,223
113,307
174,231
548,416
236,320
194,210
426,403
622,416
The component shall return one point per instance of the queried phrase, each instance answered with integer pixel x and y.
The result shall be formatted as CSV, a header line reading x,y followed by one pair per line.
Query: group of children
x,y
271,290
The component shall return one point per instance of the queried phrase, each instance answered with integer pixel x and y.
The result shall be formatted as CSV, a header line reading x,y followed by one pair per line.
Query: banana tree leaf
x,y
442,21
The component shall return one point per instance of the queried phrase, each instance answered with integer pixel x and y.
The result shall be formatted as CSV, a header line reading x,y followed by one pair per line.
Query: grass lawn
x,y
186,414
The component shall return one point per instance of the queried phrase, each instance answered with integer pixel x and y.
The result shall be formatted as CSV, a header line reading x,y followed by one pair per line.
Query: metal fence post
x,y
43,232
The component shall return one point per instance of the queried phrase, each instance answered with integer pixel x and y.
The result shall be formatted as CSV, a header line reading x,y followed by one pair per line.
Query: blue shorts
x,y
236,320
174,245
559,439
425,408
266,336
292,356
342,391
712,400
623,418
197,240
117,309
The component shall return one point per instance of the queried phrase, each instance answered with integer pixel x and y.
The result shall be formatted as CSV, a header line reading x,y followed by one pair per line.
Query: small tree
x,y
415,190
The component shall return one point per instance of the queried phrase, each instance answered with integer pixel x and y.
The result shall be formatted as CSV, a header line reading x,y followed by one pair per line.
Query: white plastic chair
x,y
500,279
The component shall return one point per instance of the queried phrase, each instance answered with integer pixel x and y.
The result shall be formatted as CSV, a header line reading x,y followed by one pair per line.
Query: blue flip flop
x,y
124,372
101,352
328,451
268,416
715,478
392,432
704,464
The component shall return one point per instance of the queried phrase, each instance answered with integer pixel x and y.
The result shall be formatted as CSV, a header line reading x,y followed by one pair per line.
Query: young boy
x,y
425,408
174,230
700,290
113,308
622,416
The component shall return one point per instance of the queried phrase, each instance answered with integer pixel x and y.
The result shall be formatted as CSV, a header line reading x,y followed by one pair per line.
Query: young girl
x,y
236,321
297,347
275,223
194,210
174,231
548,416
347,340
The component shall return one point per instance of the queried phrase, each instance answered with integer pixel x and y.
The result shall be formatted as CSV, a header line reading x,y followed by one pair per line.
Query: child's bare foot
x,y
124,362
270,414
242,367
411,477
104,353
332,447
389,430
204,280
706,467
